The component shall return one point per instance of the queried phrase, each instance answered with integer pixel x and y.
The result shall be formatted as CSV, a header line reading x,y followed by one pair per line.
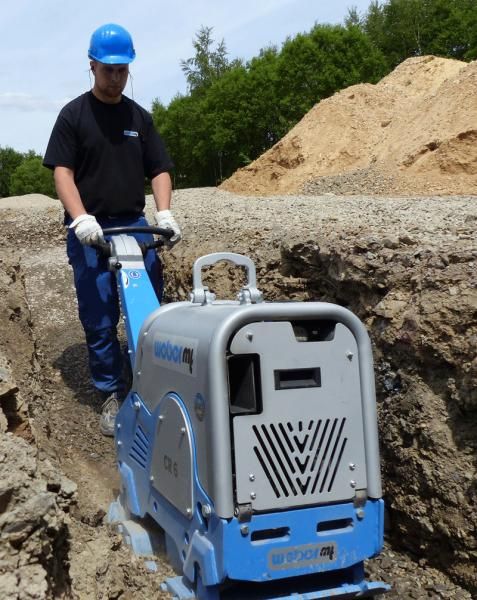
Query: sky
x,y
44,47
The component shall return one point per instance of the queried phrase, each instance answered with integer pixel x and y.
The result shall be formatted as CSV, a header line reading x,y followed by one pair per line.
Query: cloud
x,y
30,103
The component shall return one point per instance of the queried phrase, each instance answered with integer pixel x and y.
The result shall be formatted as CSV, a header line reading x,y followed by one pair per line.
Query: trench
x,y
54,411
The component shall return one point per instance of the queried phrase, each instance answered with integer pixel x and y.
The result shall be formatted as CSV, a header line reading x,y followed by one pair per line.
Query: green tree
x,y
227,121
373,25
207,65
185,124
314,66
452,29
266,125
9,161
352,18
405,28
184,130
230,123
243,116
31,177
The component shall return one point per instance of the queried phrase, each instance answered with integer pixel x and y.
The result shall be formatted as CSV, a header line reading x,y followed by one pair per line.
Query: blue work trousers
x,y
98,301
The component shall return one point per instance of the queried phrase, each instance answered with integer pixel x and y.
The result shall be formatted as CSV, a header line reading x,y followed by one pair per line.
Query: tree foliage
x,y
23,173
31,177
208,64
405,28
9,161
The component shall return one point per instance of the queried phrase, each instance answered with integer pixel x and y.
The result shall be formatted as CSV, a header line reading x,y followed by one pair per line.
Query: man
x,y
102,147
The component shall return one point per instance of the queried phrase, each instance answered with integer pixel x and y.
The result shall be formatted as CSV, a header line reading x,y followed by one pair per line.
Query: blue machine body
x,y
221,547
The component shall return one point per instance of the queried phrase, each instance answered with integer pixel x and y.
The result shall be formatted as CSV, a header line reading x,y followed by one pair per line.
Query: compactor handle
x,y
167,233
105,247
249,294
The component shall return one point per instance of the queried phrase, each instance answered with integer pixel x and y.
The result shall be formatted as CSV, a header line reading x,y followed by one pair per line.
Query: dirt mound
x,y
412,133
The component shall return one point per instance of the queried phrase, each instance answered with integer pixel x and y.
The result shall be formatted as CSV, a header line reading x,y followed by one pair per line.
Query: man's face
x,y
110,80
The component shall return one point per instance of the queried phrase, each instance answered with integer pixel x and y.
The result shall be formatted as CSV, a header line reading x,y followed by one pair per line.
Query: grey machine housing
x,y
276,400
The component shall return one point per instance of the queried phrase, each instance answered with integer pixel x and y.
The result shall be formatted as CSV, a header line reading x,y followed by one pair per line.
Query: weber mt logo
x,y
298,557
176,353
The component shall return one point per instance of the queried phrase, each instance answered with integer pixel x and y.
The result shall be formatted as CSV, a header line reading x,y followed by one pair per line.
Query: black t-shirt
x,y
111,148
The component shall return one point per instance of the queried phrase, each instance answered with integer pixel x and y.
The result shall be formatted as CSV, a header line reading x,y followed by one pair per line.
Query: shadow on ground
x,y
72,363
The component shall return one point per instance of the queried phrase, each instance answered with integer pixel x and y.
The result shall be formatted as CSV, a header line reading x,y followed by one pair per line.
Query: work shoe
x,y
109,410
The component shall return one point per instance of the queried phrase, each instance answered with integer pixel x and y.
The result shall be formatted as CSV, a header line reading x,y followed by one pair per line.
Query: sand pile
x,y
415,132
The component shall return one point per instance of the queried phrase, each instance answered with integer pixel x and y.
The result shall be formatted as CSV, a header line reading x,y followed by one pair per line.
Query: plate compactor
x,y
250,437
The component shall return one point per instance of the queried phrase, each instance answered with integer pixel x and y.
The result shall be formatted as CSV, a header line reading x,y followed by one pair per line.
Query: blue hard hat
x,y
111,44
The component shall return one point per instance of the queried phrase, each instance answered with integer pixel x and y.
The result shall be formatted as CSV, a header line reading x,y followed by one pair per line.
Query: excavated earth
x,y
413,133
405,265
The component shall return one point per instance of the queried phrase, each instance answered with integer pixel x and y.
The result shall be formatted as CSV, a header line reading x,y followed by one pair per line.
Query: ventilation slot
x,y
265,535
300,458
140,448
334,525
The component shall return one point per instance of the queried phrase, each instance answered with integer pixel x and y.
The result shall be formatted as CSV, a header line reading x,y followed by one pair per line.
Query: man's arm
x,y
162,190
87,229
68,192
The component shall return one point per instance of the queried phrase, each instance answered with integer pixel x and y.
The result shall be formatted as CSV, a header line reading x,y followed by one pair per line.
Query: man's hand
x,y
87,230
165,220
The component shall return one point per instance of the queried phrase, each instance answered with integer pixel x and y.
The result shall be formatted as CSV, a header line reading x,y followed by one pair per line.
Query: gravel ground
x,y
370,180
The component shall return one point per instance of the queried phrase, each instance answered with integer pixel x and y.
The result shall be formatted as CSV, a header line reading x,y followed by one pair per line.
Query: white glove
x,y
87,230
165,220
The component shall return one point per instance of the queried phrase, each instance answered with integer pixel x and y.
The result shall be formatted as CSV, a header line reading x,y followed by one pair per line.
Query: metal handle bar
x,y
167,233
105,247
231,257
248,294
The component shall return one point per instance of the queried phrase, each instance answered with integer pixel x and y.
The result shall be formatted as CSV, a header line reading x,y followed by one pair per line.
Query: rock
x,y
31,524
3,424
